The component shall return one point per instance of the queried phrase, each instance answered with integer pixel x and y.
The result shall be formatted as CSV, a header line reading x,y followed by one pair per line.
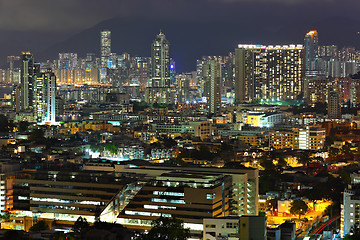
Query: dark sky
x,y
194,27
75,15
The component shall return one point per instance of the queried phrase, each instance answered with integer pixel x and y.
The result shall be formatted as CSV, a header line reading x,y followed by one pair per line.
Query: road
x,y
326,224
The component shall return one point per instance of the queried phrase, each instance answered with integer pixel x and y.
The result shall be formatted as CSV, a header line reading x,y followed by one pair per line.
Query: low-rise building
x,y
235,228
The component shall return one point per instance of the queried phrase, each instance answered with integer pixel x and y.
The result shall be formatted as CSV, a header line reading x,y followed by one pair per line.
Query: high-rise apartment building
x,y
311,44
183,85
160,56
268,73
14,70
158,90
315,89
45,97
227,73
350,218
311,138
67,64
212,78
105,47
334,105
330,51
28,72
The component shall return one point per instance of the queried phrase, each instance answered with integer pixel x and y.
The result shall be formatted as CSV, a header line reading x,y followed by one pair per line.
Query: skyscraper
x,y
45,97
311,45
160,56
212,78
13,68
268,73
67,64
28,71
158,89
105,47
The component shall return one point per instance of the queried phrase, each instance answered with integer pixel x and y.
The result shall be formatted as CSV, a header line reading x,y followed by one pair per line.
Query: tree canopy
x,y
80,226
166,229
39,226
298,207
4,124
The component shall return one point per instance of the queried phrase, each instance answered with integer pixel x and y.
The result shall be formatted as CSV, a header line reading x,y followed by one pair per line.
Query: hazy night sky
x,y
38,24
73,15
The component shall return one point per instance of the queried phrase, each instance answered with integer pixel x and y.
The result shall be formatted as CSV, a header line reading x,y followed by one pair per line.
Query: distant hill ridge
x,y
191,40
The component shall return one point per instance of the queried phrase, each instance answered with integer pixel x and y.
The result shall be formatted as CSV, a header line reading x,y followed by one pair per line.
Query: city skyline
x,y
201,120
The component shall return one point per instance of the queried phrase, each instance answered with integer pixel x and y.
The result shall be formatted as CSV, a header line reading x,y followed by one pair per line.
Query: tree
x,y
298,207
333,152
23,126
346,149
4,124
80,226
268,181
6,216
39,226
281,162
315,194
169,142
112,148
267,163
166,229
304,158
37,135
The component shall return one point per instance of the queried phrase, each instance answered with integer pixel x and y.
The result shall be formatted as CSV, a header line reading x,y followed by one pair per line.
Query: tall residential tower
x,y
212,78
28,72
158,90
268,73
311,45
45,97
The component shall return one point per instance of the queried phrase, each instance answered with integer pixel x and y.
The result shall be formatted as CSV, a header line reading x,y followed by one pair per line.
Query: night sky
x,y
38,25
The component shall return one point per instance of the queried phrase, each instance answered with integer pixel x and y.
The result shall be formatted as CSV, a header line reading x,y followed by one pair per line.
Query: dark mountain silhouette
x,y
191,40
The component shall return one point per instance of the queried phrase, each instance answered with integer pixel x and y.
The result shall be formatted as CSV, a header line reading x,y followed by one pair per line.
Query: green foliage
x,y
225,147
168,142
23,126
80,226
268,181
333,152
304,158
281,162
319,107
315,194
345,177
140,106
298,207
166,229
97,148
346,149
6,216
267,163
39,226
37,135
202,154
4,124
112,148
13,235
